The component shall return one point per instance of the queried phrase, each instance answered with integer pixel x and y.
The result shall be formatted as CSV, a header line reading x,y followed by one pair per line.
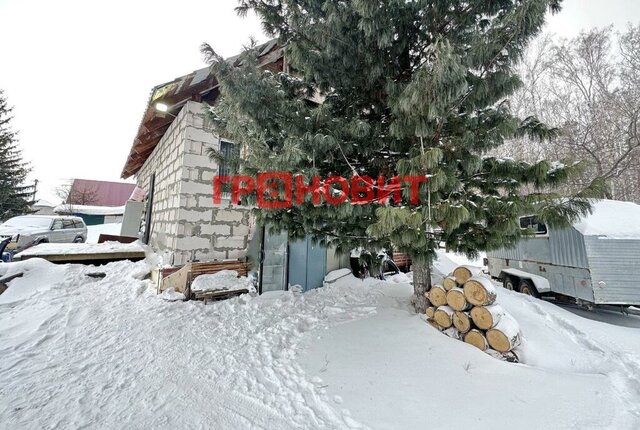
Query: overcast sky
x,y
79,72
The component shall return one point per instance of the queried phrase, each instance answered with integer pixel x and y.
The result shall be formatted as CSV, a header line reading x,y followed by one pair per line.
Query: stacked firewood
x,y
464,307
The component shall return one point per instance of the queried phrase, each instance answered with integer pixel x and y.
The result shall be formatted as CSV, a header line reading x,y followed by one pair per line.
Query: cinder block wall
x,y
166,162
185,220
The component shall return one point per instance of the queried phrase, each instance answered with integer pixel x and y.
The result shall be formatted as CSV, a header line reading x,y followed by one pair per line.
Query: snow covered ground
x,y
108,353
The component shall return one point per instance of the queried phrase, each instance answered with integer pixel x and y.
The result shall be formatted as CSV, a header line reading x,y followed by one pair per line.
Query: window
x,y
78,224
67,223
227,165
227,151
532,223
57,225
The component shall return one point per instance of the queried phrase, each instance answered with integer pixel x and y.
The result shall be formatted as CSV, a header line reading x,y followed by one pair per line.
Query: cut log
x,y
457,300
437,295
444,316
464,273
486,317
430,311
434,324
449,283
505,335
477,339
462,321
480,291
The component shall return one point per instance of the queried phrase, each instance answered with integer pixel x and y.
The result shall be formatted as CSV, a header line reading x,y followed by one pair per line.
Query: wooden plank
x,y
114,256
4,281
115,238
177,280
215,266
218,295
11,278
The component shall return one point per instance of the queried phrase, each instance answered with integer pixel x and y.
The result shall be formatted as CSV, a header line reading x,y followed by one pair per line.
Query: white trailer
x,y
595,261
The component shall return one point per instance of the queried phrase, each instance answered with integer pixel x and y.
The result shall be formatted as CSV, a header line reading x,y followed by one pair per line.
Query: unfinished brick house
x,y
169,160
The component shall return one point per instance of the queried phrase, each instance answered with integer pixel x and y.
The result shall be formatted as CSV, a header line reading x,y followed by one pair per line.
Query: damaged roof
x,y
199,86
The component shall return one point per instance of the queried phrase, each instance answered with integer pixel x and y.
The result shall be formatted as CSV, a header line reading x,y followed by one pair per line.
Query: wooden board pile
x,y
180,280
464,307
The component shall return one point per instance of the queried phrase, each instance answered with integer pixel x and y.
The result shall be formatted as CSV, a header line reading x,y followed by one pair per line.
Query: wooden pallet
x,y
217,295
181,279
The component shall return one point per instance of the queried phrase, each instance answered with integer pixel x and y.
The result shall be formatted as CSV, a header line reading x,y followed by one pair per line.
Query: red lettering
x,y
394,188
269,186
414,191
339,197
362,185
241,185
302,190
217,188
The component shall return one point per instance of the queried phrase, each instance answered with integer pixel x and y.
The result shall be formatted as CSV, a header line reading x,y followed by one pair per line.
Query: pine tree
x,y
410,88
15,197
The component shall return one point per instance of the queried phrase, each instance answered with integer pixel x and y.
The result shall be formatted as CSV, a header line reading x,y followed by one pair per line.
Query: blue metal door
x,y
307,263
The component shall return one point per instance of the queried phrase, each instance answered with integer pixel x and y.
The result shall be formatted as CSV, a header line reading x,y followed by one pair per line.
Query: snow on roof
x,y
89,210
613,219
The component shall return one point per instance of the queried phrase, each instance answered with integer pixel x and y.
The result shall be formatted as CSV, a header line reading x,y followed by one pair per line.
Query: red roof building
x,y
99,193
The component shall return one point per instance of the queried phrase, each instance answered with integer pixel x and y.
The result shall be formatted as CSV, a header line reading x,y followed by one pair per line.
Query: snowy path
x,y
87,353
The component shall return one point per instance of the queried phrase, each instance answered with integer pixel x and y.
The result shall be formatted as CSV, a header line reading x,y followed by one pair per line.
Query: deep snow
x,y
109,353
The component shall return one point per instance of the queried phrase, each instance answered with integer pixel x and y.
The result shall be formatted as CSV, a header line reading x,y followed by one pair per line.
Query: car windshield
x,y
27,221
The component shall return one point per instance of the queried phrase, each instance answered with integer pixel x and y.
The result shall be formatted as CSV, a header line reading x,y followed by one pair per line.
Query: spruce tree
x,y
15,197
408,88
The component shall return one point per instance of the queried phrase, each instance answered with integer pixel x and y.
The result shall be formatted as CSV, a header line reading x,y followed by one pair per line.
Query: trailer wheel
x,y
527,287
509,283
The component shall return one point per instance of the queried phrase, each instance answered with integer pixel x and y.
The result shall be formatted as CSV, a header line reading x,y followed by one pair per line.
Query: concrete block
x,y
193,108
240,230
180,258
193,160
205,202
217,255
192,187
195,216
197,121
229,242
207,175
216,229
193,146
203,255
236,253
200,135
228,215
191,243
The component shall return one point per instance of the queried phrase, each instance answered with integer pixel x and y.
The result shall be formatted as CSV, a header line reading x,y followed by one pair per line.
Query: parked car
x,y
594,261
29,230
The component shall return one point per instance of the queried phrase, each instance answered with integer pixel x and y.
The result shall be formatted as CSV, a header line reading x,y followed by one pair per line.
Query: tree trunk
x,y
421,283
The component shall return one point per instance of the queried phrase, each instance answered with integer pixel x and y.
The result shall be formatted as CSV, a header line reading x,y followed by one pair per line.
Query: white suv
x,y
29,230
